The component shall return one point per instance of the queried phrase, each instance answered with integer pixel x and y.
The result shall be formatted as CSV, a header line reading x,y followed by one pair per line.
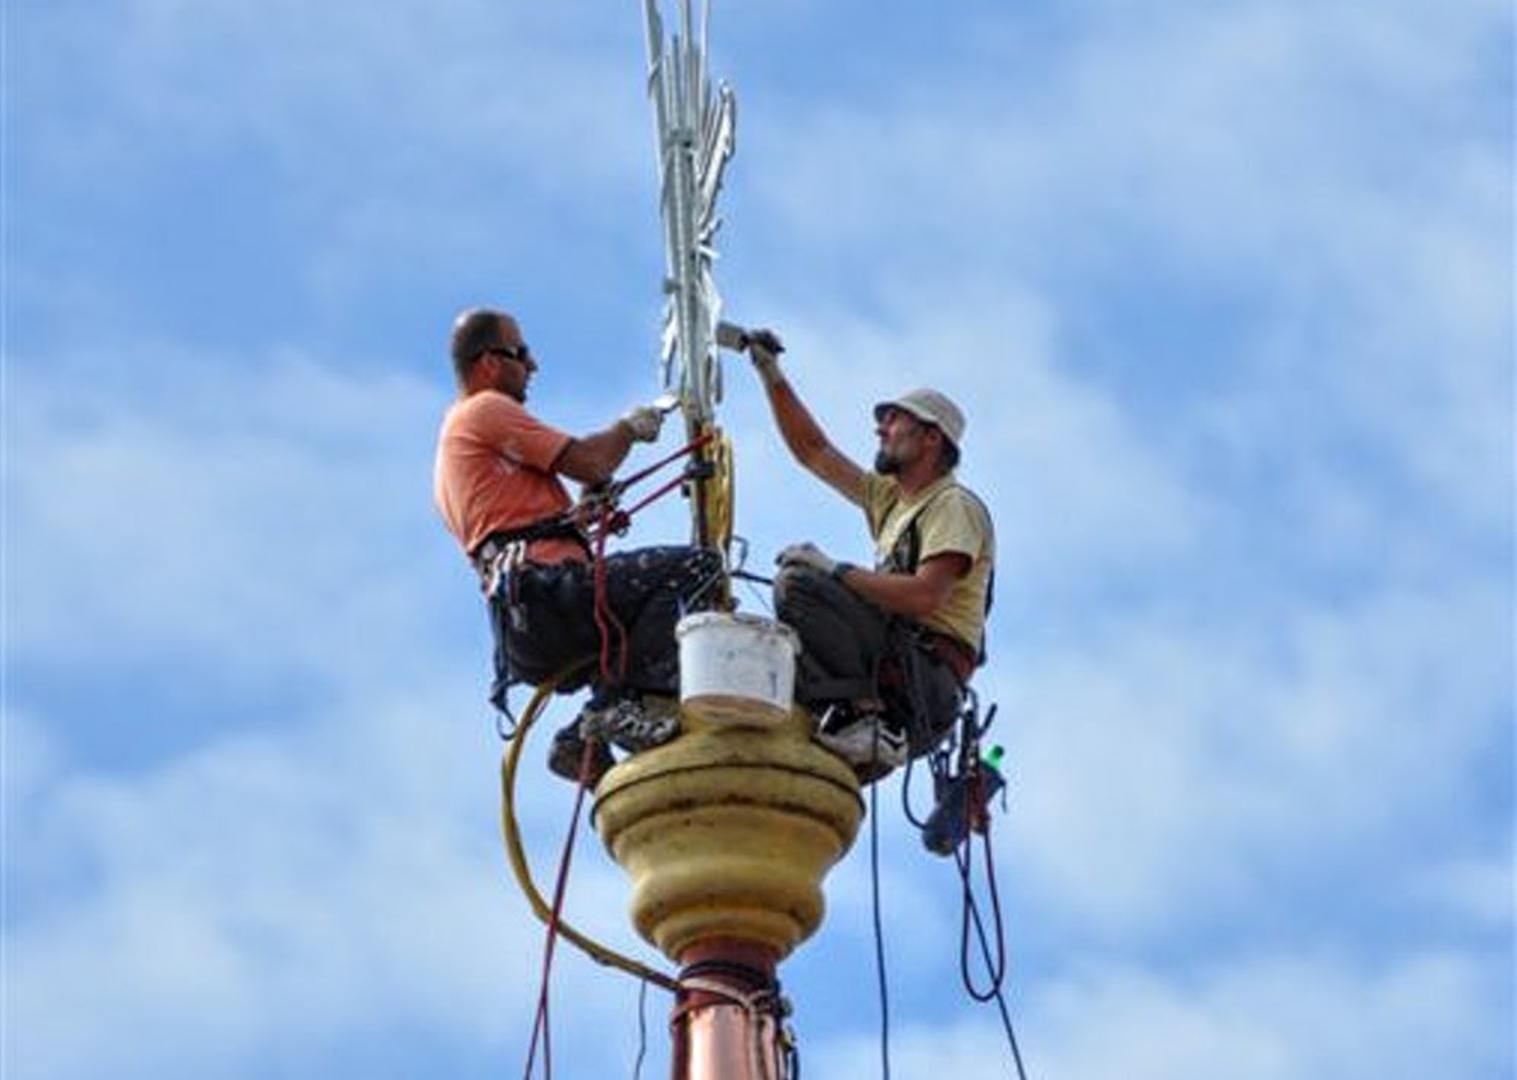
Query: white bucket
x,y
736,669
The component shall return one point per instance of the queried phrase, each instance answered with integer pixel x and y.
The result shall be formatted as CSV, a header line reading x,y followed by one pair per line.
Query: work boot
x,y
568,751
643,725
634,726
863,739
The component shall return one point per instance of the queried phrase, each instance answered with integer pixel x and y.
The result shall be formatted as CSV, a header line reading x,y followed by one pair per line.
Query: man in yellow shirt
x,y
886,652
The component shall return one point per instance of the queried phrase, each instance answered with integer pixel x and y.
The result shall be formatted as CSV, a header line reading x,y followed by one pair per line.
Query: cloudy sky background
x,y
1226,291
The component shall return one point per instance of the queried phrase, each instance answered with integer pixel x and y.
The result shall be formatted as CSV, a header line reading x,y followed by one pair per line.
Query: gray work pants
x,y
850,649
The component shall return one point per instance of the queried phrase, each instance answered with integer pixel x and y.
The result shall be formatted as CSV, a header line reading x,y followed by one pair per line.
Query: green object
x,y
993,757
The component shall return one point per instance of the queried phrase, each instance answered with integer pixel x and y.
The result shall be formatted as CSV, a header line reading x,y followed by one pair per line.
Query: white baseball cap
x,y
930,407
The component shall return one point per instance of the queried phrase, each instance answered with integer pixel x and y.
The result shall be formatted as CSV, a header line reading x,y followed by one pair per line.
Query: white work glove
x,y
808,555
644,422
764,348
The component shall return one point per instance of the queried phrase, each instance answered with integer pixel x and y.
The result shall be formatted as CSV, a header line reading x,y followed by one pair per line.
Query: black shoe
x,y
568,752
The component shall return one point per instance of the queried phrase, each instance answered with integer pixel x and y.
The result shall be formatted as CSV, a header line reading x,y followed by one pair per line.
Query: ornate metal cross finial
x,y
694,128
693,131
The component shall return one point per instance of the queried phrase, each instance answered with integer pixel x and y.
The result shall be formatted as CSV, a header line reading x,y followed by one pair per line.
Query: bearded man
x,y
887,651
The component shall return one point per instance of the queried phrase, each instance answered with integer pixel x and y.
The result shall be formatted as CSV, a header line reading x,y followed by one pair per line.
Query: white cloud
x,y
1332,177
1291,1017
1253,647
1278,1017
1060,465
1477,893
309,83
359,150
272,519
293,892
1161,768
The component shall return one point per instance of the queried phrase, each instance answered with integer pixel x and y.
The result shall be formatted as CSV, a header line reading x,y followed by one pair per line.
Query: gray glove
x,y
764,348
645,422
808,555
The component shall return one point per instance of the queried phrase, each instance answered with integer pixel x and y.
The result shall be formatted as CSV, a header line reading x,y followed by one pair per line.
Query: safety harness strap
x,y
557,527
907,553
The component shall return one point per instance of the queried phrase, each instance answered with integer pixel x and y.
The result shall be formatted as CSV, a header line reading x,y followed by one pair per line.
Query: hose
x,y
517,856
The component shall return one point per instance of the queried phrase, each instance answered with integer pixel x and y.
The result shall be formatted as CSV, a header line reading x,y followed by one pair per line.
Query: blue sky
x,y
1226,291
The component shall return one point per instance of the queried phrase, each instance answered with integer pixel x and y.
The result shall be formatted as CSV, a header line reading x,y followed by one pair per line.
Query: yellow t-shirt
x,y
948,520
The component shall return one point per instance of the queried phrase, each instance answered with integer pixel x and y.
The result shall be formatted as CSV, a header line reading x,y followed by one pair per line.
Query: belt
x,y
960,658
507,547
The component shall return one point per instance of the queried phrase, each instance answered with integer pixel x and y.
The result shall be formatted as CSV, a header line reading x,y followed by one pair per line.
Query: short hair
x,y
474,331
948,450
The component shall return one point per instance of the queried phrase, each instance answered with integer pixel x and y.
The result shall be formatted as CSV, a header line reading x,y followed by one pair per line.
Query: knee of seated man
x,y
706,561
797,584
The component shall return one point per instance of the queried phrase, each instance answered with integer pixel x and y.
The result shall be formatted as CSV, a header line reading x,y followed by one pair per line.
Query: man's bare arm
x,y
593,459
803,436
914,595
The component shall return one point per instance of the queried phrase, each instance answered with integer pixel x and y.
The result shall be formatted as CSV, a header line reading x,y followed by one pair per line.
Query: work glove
x,y
764,348
644,421
808,555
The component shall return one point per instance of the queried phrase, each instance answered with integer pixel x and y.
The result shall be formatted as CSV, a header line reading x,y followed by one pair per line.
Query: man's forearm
x,y
613,444
897,594
594,458
803,436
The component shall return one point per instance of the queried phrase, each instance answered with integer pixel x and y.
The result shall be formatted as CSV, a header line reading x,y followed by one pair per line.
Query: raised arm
x,y
803,436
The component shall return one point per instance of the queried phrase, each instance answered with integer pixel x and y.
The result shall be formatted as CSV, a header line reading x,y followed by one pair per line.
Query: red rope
x,y
605,617
614,520
610,520
689,448
626,516
540,1022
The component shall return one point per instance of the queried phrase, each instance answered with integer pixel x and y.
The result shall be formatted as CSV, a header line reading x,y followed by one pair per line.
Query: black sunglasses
x,y
510,352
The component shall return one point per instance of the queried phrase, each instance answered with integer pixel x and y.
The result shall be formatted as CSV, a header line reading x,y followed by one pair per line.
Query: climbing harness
x,y
905,554
501,556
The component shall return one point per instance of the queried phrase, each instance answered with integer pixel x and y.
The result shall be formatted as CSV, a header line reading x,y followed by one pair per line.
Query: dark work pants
x,y
552,624
850,649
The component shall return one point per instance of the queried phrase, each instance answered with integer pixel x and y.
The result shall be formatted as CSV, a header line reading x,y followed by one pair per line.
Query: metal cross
x,y
693,129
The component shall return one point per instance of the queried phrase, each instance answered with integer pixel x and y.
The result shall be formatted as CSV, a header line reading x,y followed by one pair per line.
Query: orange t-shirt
x,y
494,472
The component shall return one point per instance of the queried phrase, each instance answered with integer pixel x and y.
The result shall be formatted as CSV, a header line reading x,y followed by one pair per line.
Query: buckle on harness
x,y
495,564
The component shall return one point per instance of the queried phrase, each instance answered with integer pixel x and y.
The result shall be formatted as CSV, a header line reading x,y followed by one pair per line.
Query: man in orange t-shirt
x,y
497,485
